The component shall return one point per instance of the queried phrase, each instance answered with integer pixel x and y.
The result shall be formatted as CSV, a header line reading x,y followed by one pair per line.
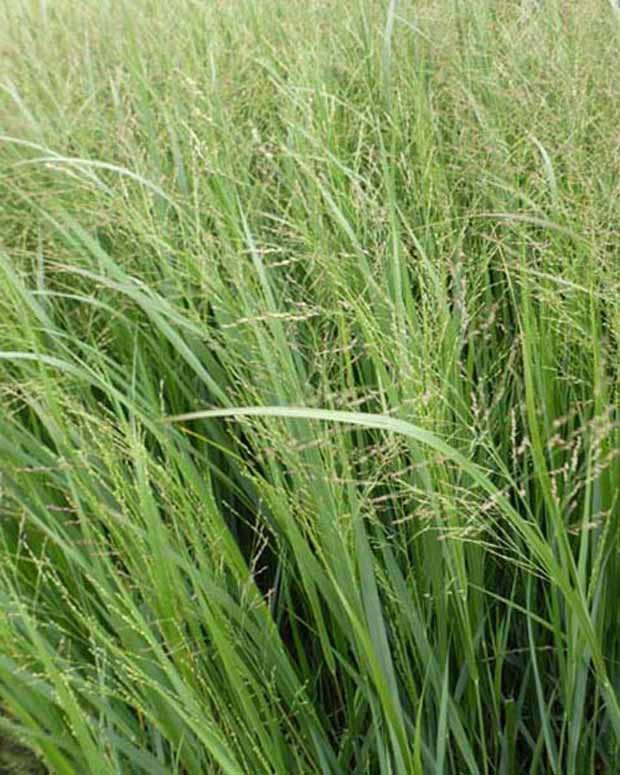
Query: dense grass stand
x,y
309,381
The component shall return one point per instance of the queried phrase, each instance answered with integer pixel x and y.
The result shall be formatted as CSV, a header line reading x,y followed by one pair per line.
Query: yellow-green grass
x,y
309,382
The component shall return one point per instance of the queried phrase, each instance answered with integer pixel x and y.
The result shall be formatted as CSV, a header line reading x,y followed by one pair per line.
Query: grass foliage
x,y
309,383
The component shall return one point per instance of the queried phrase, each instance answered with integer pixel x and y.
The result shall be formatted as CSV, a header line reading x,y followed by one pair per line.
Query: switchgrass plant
x,y
309,358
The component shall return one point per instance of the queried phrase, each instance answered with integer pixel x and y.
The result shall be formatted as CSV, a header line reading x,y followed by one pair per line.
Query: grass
x,y
309,383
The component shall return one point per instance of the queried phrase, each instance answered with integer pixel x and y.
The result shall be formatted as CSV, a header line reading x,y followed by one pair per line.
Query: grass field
x,y
309,387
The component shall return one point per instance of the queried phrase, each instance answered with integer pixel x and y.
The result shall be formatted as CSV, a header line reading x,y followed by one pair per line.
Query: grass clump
x,y
309,423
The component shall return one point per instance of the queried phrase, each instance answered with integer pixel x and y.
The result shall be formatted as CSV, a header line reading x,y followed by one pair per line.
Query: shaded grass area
x,y
309,380
15,760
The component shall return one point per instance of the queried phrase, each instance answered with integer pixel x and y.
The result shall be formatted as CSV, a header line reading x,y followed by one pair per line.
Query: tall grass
x,y
309,381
